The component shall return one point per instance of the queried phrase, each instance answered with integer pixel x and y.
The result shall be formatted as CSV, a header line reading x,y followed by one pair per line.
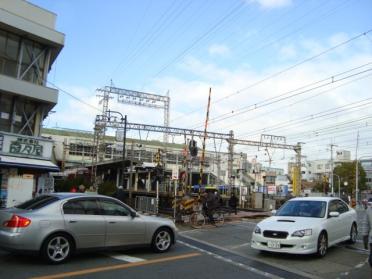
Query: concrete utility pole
x,y
131,174
298,174
331,176
356,171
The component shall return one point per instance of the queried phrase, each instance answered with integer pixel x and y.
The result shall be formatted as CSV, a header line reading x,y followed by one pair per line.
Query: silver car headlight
x,y
302,233
257,230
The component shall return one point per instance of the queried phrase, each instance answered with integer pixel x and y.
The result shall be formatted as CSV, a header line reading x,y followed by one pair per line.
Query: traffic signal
x,y
193,148
157,157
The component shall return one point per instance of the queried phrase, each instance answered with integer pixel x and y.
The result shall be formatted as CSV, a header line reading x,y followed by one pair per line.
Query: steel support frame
x,y
141,99
102,120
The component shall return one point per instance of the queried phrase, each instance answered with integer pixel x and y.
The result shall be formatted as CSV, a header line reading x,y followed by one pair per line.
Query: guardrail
x,y
146,204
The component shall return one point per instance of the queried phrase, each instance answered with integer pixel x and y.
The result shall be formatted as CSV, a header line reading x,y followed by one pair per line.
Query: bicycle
x,y
199,218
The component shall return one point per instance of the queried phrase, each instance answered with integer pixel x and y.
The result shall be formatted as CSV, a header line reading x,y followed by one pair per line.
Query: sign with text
x,y
175,172
271,189
26,146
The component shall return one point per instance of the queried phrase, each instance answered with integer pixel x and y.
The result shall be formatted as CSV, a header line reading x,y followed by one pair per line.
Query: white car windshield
x,y
301,208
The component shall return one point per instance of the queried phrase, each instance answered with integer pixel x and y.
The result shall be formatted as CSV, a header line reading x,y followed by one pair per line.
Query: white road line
x,y
304,274
216,256
125,258
239,246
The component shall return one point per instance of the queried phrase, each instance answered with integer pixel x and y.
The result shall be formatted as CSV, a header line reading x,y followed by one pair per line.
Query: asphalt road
x,y
211,252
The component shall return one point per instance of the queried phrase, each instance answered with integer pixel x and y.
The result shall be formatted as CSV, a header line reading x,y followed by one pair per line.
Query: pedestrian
x,y
120,194
73,189
233,202
211,206
345,198
81,188
367,232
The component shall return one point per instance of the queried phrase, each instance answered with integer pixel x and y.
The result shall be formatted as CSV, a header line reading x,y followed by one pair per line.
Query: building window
x,y
10,46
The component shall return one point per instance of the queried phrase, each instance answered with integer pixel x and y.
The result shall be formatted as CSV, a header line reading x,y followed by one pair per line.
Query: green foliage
x,y
65,185
346,172
107,188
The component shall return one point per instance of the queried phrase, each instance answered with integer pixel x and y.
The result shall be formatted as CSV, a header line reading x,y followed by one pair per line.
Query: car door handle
x,y
72,221
112,222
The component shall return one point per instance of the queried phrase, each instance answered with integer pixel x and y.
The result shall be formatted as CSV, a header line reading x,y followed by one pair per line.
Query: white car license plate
x,y
273,244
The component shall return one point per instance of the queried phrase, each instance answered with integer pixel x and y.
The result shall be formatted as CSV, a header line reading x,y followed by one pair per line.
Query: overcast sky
x,y
298,69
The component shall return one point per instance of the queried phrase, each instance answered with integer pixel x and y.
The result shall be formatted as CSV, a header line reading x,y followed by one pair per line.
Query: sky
x,y
296,69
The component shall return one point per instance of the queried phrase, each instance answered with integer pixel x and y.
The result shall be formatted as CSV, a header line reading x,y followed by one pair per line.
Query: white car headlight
x,y
302,233
257,230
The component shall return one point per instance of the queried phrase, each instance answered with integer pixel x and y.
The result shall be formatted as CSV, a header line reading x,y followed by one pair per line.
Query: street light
x,y
124,121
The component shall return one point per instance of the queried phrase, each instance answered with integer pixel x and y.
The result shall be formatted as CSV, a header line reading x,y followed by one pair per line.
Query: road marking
x,y
115,267
285,268
355,249
239,246
125,258
216,256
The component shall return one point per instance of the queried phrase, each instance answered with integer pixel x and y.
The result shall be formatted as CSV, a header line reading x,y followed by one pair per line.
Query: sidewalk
x,y
231,217
247,215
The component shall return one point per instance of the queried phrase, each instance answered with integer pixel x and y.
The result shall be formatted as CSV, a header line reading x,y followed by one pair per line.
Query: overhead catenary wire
x,y
189,47
276,74
282,97
266,113
311,117
73,96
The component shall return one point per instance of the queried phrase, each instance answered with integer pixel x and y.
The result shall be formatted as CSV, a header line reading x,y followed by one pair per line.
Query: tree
x,y
346,172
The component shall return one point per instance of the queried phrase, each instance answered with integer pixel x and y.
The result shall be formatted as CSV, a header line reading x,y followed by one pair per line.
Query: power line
x,y
72,96
315,116
282,97
150,35
299,101
188,48
285,70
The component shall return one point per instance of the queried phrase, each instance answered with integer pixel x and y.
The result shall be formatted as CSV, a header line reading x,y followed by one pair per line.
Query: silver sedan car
x,y
56,225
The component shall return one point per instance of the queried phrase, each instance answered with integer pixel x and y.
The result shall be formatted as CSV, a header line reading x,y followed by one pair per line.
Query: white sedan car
x,y
306,226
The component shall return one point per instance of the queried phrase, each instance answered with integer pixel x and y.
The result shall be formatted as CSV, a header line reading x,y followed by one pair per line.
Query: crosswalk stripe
x,y
125,258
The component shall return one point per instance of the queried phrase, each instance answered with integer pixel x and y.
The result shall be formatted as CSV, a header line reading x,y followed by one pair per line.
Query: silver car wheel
x,y
163,240
58,248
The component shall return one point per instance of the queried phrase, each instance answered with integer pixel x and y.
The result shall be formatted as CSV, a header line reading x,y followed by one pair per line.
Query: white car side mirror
x,y
334,214
273,212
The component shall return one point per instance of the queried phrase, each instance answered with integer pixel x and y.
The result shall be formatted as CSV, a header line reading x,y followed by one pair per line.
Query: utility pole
x,y
124,142
131,174
332,189
298,170
356,171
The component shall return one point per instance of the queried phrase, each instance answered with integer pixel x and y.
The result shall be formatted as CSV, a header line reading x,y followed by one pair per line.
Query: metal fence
x,y
146,204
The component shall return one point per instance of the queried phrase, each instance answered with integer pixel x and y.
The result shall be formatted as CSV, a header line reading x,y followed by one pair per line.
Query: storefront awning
x,y
18,162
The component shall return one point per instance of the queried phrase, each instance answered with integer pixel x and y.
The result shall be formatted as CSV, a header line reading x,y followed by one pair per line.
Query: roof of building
x,y
88,134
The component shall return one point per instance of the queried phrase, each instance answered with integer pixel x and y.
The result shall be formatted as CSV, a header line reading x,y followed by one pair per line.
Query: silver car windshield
x,y
312,209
